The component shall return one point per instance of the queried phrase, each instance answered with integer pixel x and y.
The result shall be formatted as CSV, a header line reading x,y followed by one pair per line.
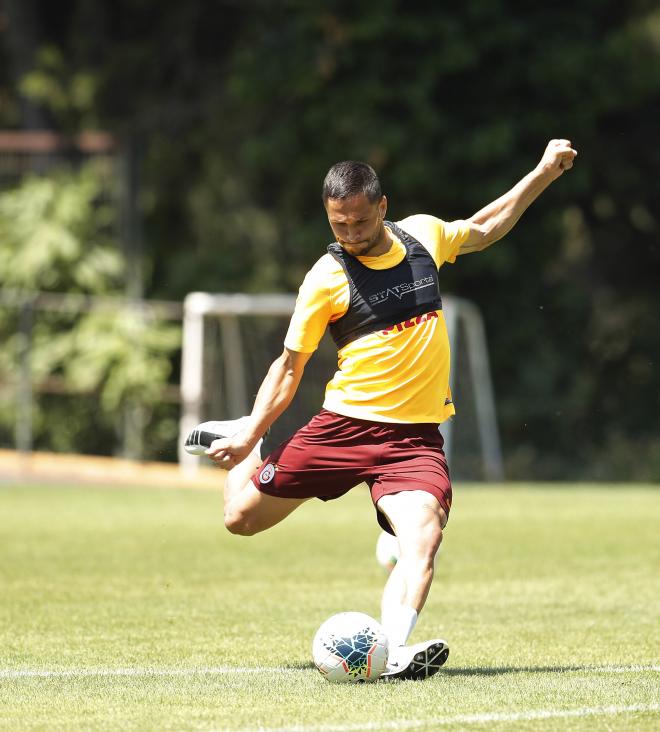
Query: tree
x,y
243,106
56,236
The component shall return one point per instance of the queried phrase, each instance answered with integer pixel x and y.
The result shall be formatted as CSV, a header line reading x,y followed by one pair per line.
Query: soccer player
x,y
377,289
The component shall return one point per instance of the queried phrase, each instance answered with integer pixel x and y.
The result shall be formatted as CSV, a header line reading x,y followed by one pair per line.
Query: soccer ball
x,y
387,551
350,647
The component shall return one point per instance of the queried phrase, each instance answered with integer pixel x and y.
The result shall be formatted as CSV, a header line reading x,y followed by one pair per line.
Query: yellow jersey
x,y
400,374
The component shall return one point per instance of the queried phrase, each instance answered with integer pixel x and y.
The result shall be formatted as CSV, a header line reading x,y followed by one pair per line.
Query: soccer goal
x,y
230,340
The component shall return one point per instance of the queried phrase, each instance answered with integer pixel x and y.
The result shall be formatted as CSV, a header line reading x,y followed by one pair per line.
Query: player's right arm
x,y
274,396
313,310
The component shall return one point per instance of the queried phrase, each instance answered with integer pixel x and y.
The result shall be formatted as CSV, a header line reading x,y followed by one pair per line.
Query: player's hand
x,y
558,157
228,452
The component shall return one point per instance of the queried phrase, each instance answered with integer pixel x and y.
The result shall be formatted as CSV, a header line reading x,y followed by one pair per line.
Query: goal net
x,y
229,341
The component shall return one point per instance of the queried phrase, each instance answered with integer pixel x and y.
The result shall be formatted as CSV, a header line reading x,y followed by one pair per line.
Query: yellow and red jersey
x,y
397,374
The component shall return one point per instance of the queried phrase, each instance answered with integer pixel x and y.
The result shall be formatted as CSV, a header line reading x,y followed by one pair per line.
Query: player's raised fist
x,y
558,157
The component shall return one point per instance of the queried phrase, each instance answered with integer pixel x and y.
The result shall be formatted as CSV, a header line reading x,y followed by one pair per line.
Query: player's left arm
x,y
498,218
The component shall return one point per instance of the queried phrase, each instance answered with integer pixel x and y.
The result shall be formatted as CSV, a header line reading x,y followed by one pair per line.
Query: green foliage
x,y
68,94
131,361
57,234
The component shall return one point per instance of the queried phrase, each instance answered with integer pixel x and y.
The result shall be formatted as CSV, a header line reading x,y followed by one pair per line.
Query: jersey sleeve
x,y
452,235
311,315
443,239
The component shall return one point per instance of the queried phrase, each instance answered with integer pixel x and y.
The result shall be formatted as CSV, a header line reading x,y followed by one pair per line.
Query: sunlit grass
x,y
548,597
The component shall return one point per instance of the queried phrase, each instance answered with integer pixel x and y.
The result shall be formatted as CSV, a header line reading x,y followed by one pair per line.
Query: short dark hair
x,y
350,178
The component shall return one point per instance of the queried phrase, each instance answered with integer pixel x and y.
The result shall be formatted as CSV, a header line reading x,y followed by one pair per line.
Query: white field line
x,y
468,719
242,670
87,672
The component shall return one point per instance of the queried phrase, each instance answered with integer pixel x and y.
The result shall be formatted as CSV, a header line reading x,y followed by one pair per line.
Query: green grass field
x,y
135,609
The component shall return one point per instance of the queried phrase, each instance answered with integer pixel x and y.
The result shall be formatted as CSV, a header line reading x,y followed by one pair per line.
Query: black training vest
x,y
381,298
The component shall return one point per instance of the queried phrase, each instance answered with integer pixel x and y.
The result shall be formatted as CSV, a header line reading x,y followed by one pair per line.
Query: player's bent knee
x,y
239,523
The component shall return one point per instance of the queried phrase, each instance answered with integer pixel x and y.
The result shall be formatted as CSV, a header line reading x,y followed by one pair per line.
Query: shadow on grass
x,y
479,670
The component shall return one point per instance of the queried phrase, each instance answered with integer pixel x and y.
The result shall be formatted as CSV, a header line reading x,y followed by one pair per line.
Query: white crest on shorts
x,y
267,474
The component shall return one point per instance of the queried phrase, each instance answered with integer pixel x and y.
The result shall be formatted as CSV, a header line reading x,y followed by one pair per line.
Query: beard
x,y
362,248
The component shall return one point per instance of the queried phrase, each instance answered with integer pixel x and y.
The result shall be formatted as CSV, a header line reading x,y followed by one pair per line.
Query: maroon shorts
x,y
332,454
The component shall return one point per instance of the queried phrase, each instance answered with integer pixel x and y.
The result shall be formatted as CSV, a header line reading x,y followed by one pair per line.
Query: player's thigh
x,y
416,517
252,511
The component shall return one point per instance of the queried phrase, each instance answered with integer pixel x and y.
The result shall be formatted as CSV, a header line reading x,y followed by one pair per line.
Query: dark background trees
x,y
239,108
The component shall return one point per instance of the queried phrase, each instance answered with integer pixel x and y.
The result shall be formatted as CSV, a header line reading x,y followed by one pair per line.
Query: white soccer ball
x,y
387,551
350,647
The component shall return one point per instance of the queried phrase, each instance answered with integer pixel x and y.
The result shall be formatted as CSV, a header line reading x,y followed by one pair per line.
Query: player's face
x,y
358,224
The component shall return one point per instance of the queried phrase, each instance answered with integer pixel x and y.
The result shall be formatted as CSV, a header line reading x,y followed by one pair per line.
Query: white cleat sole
x,y
426,659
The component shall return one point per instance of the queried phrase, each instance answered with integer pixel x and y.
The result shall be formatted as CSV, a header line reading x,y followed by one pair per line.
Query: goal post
x,y
230,340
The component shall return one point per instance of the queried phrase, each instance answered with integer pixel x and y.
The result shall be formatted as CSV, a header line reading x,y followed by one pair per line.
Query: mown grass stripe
x,y
220,670
467,719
